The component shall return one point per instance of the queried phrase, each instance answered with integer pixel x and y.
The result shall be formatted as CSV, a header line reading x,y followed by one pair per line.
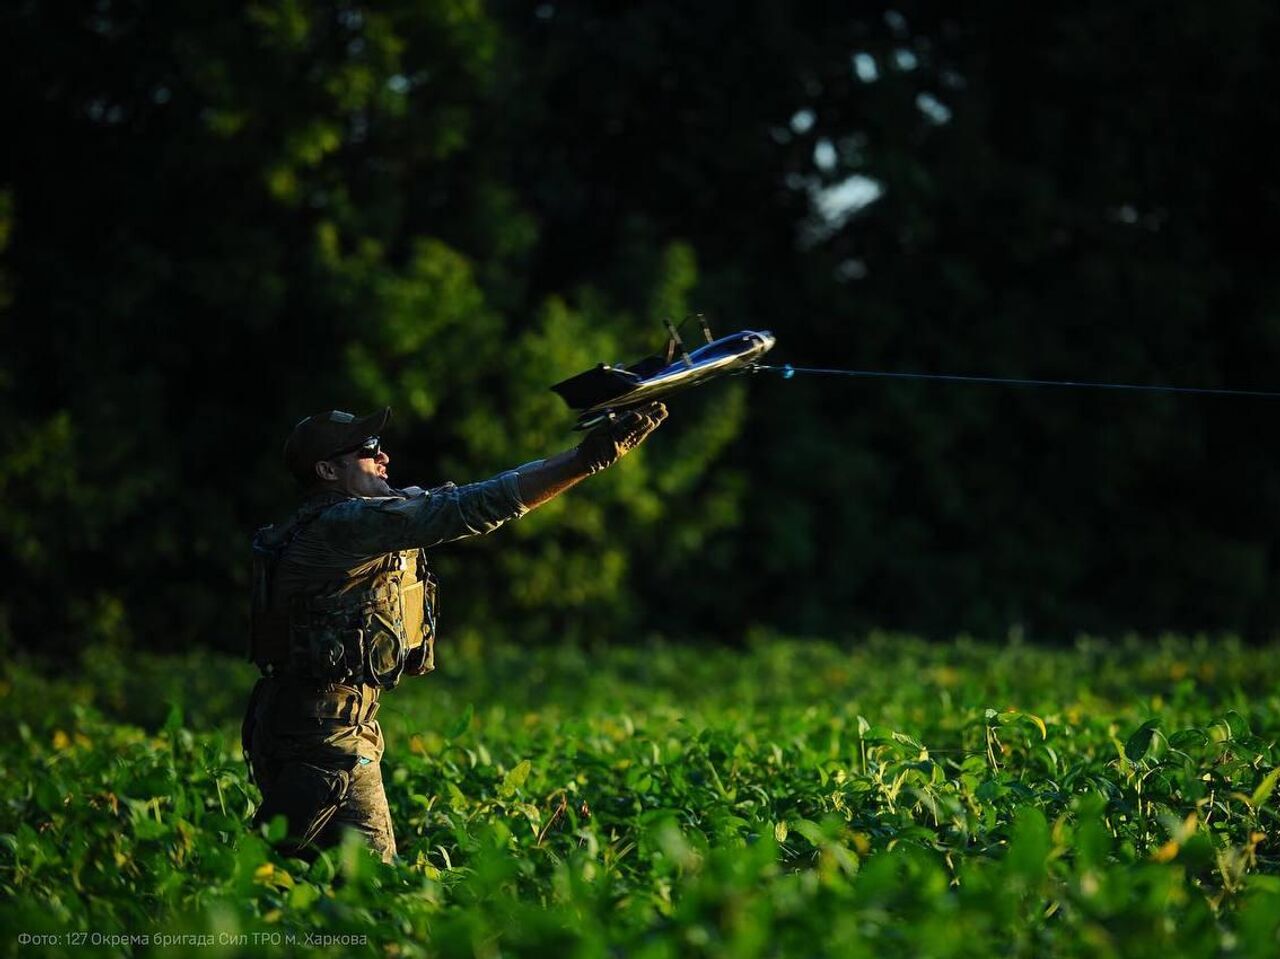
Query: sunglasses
x,y
369,449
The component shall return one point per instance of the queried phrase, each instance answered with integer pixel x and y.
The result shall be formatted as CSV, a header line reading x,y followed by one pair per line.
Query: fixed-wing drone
x,y
601,392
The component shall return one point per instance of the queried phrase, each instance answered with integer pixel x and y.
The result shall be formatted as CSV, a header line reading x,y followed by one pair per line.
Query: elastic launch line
x,y
789,371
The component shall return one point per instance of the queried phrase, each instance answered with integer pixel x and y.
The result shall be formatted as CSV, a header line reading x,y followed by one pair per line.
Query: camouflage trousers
x,y
320,801
307,767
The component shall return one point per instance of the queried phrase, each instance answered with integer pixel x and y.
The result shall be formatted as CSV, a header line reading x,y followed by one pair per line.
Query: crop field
x,y
877,797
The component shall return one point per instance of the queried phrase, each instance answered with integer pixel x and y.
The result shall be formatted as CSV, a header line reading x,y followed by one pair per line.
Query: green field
x,y
881,797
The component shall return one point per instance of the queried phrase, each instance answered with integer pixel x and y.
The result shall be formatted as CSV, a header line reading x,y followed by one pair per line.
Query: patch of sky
x,y
545,11
864,67
896,22
837,202
398,83
933,108
904,59
802,121
824,155
100,110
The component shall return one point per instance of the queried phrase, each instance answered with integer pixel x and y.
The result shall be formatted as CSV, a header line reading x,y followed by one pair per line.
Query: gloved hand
x,y
607,444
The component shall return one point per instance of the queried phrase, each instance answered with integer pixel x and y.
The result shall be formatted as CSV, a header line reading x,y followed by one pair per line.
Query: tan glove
x,y
607,444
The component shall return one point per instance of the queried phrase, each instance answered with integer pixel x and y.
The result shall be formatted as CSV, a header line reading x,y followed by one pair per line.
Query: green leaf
x,y
1136,746
1014,715
463,723
1039,724
1238,725
810,830
1029,847
515,778
173,720
1185,738
1092,843
322,870
457,798
1265,788
302,895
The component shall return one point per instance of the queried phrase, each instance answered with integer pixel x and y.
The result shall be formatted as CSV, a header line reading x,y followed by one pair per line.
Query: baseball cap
x,y
320,436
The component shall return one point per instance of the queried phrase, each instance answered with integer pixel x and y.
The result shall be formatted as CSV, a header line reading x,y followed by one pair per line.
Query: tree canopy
x,y
221,218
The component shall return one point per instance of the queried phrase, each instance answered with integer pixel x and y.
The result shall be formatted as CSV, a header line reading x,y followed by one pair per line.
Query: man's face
x,y
358,473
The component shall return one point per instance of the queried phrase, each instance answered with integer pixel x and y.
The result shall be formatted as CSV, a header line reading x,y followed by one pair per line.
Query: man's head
x,y
339,451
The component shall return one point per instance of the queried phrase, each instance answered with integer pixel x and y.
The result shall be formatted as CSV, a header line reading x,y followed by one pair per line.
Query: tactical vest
x,y
369,631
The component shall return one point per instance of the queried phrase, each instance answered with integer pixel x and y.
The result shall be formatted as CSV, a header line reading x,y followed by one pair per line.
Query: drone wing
x,y
596,386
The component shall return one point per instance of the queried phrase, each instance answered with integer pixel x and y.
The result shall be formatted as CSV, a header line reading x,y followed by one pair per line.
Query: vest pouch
x,y
326,652
422,660
384,651
419,618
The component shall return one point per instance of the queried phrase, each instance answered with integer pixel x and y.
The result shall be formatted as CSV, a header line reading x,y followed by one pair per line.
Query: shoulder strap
x,y
268,546
276,540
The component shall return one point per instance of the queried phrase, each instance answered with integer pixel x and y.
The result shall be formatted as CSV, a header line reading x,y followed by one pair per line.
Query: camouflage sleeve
x,y
423,519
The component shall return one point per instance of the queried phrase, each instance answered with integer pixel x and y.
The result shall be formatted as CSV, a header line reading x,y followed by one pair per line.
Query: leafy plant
x,y
793,797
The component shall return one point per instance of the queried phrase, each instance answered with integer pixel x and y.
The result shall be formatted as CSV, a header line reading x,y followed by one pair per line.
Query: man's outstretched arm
x,y
546,479
423,519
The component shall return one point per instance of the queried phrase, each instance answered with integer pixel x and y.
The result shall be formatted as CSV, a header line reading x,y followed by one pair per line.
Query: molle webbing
x,y
351,705
381,588
371,630
368,627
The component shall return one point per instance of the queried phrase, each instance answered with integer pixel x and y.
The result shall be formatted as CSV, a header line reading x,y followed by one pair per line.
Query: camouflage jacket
x,y
340,546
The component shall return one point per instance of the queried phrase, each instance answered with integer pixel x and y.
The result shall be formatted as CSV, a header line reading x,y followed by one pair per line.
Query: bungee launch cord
x,y
788,371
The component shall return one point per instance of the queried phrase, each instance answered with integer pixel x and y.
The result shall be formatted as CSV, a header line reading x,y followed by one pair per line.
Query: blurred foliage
x,y
290,209
793,797
220,219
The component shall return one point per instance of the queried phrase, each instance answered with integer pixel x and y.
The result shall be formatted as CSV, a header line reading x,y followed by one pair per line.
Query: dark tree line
x,y
219,219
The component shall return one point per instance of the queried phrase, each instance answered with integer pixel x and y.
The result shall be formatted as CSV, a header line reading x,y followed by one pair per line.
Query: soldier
x,y
344,607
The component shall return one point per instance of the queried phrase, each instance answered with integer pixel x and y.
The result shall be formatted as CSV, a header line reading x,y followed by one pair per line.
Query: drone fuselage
x,y
606,389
